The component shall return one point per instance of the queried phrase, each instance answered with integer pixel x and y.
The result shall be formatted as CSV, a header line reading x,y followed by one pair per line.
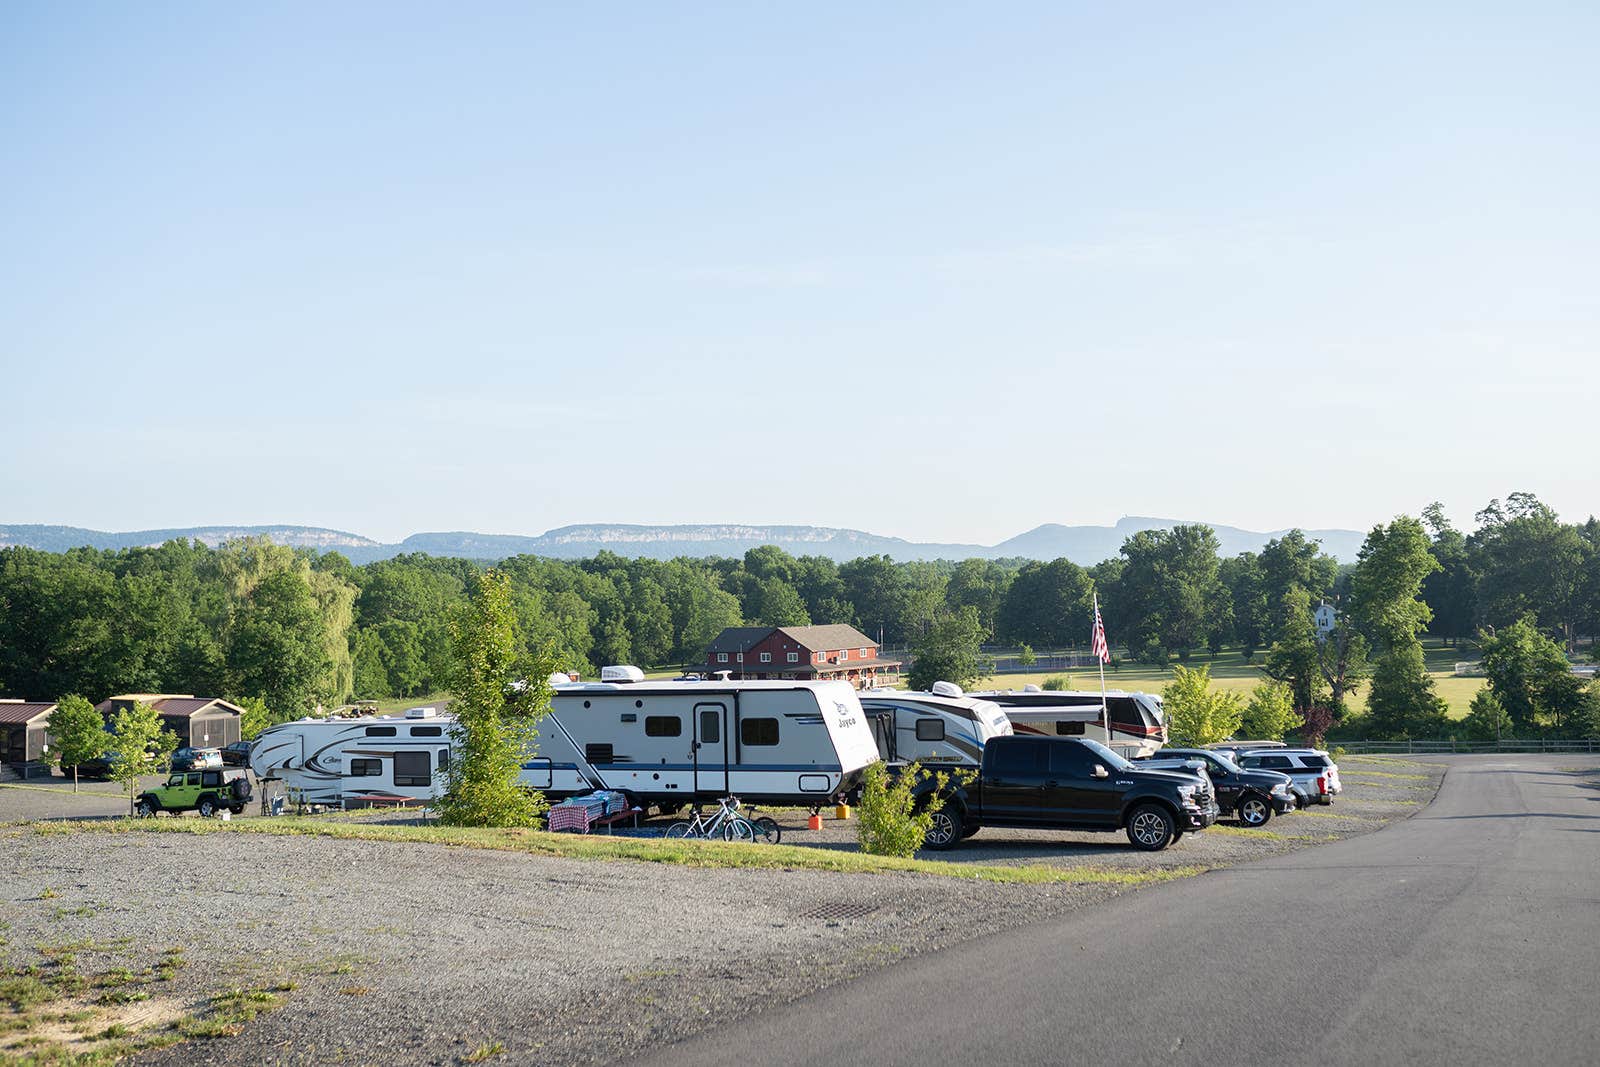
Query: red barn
x,y
805,653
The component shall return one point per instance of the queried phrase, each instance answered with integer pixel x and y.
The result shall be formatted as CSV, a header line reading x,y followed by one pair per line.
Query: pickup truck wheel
x,y
1254,811
945,831
144,809
1150,828
208,807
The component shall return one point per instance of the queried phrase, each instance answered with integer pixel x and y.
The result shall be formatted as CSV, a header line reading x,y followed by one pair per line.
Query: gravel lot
x,y
406,953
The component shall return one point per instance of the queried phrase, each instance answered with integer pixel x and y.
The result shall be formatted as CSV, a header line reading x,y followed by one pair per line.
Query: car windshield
x,y
1227,765
1108,757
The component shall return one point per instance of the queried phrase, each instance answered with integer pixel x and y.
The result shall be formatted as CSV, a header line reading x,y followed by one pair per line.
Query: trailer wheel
x,y
945,832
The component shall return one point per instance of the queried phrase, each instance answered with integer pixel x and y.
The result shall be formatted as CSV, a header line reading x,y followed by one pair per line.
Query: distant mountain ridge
x,y
1081,544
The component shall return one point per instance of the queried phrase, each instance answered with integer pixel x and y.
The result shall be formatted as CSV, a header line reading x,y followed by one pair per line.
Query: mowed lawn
x,y
1229,671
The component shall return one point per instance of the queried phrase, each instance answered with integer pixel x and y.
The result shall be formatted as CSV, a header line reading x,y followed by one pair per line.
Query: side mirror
x,y
1100,771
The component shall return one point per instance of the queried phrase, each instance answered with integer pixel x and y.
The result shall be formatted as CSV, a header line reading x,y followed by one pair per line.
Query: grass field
x,y
1229,671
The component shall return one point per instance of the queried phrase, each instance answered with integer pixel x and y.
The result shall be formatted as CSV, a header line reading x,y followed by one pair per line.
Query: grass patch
x,y
1307,813
677,853
1244,831
484,1052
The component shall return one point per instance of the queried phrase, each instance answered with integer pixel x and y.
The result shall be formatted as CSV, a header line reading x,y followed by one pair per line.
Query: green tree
x,y
276,651
1528,672
1025,657
1528,562
1451,591
981,584
1487,719
497,698
1270,713
1342,657
1294,657
144,746
257,717
1385,592
1174,597
1048,605
1197,715
951,652
1242,577
780,604
78,732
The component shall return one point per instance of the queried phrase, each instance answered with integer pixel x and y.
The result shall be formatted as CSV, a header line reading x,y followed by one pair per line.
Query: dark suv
x,y
1252,796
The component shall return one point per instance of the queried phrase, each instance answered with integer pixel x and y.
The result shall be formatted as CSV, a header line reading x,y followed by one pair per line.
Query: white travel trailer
x,y
687,740
1138,725
943,726
334,761
665,743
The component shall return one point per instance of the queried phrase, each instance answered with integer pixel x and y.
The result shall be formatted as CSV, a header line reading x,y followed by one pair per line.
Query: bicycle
x,y
726,822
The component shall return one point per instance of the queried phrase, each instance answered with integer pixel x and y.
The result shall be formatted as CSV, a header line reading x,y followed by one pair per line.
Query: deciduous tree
x,y
78,732
1197,714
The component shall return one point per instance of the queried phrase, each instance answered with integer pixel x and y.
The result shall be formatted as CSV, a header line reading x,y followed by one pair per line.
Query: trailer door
x,y
710,749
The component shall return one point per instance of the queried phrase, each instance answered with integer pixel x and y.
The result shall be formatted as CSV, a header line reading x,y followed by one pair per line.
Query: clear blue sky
x,y
941,271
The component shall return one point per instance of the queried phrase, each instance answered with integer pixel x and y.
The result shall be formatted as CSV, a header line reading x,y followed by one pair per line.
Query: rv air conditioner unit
x,y
621,674
946,689
421,713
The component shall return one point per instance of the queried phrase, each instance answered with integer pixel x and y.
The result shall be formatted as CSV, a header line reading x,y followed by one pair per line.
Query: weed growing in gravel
x,y
484,1052
1241,831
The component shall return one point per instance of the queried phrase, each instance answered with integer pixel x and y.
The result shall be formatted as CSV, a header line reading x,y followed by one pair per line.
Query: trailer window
x,y
380,731
366,768
663,726
711,727
412,768
444,759
1064,726
427,731
930,729
758,732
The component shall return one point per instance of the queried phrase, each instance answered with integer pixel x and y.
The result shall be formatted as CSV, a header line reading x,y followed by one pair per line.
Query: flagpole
x,y
1105,712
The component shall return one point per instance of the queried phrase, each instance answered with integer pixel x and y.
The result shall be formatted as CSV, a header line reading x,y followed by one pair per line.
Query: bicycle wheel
x,y
767,830
678,829
738,829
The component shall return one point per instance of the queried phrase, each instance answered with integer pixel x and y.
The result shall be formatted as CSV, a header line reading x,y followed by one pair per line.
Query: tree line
x,y
291,629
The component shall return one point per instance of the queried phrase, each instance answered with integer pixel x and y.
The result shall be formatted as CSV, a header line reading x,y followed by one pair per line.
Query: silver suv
x,y
1313,771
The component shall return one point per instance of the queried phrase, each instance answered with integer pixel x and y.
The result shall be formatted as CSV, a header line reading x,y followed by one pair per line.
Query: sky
x,y
940,271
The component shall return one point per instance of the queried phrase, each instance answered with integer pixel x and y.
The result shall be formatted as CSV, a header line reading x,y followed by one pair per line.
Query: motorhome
x,y
943,725
333,761
666,743
1137,725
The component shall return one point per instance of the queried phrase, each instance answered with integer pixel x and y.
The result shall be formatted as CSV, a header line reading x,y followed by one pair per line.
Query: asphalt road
x,y
1469,933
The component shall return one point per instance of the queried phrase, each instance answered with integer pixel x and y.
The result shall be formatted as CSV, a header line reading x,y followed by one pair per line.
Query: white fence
x,y
1422,748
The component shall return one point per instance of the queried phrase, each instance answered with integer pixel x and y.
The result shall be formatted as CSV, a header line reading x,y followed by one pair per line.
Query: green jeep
x,y
207,792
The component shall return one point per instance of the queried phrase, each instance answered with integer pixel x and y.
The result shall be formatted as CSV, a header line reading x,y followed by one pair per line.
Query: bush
x,y
1487,719
890,821
1058,683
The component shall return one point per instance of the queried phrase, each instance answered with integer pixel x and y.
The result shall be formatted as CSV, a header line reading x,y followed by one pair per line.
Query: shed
x,y
24,730
204,722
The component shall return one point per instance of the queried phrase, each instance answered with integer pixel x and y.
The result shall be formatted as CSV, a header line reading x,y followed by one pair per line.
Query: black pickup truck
x,y
1068,783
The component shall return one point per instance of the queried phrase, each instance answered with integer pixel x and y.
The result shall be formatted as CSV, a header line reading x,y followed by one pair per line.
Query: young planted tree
x,y
79,733
1487,719
1195,714
144,746
892,819
497,698
1270,713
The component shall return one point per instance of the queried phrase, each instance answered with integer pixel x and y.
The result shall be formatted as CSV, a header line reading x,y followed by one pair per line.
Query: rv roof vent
x,y
621,674
421,713
1031,689
946,689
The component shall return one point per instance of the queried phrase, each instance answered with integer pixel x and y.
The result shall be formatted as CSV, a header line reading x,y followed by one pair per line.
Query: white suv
x,y
1314,773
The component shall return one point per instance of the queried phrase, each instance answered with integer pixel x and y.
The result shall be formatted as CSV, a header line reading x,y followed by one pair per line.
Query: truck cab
x,y
1065,783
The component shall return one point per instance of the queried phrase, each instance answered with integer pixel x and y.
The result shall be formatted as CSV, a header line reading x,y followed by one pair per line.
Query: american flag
x,y
1099,647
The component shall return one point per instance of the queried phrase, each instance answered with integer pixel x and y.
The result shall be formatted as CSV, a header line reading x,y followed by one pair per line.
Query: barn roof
x,y
823,638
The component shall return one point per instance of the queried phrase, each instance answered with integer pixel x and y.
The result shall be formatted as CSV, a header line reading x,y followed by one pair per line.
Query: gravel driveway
x,y
409,953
